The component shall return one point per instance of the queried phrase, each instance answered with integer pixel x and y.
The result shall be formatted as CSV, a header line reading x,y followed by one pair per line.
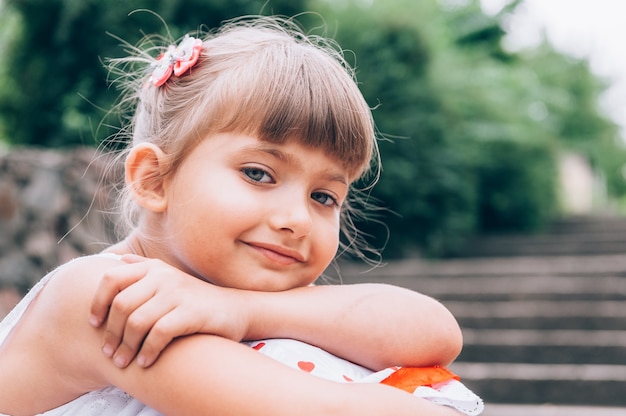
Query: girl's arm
x,y
205,374
196,374
374,325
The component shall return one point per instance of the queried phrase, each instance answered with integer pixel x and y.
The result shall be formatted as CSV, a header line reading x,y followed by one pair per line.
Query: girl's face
x,y
249,214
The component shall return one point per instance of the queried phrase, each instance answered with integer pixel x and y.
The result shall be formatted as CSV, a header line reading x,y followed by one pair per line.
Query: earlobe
x,y
145,167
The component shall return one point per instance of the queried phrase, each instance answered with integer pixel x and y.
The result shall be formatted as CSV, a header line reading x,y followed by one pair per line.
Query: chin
x,y
272,284
270,287
262,281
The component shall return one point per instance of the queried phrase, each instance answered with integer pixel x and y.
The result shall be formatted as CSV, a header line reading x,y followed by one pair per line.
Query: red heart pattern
x,y
306,366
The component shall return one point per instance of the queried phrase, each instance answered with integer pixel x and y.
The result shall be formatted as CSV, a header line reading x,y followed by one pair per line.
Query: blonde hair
x,y
260,76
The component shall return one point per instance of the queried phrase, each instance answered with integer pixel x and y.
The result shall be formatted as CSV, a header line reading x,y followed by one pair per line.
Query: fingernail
x,y
94,321
120,361
107,350
141,360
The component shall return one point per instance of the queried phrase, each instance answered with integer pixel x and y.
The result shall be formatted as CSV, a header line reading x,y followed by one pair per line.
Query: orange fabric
x,y
410,378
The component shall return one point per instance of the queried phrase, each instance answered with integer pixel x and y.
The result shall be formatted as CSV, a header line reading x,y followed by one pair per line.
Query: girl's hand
x,y
146,303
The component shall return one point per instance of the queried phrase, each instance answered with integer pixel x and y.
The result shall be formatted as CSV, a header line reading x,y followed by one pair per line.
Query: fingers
x,y
133,258
112,283
146,304
162,333
139,308
146,328
161,328
130,317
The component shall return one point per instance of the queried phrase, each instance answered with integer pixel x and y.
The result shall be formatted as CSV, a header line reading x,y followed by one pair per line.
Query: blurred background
x,y
501,124
482,135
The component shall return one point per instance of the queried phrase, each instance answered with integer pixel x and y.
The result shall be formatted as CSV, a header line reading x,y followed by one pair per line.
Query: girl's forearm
x,y
203,374
374,325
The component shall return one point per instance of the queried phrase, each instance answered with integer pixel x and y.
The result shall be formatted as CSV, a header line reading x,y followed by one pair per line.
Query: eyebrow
x,y
292,160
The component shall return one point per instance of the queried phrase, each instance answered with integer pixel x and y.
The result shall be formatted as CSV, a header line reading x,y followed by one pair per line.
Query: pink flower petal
x,y
161,74
176,60
189,53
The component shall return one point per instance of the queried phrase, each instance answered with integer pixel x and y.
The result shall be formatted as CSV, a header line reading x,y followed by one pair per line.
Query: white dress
x,y
111,401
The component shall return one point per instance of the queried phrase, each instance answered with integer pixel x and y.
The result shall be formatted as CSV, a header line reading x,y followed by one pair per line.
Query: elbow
x,y
437,341
449,341
453,344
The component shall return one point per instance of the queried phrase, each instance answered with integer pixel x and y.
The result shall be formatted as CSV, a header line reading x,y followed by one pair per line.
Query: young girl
x,y
244,148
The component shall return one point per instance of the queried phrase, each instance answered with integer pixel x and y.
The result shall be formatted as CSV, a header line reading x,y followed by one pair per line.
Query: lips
x,y
277,254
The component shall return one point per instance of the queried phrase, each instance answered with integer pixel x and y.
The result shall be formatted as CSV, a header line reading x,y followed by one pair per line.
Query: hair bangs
x,y
302,95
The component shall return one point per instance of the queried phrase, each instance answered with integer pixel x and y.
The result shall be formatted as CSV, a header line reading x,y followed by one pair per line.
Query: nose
x,y
292,214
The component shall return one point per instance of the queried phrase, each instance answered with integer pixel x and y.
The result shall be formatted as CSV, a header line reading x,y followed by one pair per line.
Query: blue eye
x,y
257,175
324,198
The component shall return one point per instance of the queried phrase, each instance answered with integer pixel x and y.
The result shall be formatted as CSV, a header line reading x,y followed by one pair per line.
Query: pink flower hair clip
x,y
176,60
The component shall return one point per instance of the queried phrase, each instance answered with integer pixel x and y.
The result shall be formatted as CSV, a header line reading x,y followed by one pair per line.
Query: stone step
x,y
545,354
563,384
616,235
544,346
513,337
511,409
588,224
548,323
537,287
404,272
574,236
537,329
538,309
581,245
540,314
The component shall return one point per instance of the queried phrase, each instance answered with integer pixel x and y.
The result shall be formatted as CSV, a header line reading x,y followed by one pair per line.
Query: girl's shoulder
x,y
66,298
68,278
71,286
52,352
86,267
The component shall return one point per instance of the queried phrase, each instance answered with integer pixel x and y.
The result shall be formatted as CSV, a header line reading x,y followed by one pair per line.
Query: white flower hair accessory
x,y
176,60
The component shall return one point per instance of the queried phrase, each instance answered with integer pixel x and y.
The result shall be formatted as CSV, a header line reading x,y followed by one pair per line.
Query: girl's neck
x,y
130,245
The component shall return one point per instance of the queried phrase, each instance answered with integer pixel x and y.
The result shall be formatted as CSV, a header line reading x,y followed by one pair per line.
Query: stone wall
x,y
52,209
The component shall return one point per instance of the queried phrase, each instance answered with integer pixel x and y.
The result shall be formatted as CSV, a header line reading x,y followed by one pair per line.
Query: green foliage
x,y
472,133
424,185
475,132
53,89
516,185
574,117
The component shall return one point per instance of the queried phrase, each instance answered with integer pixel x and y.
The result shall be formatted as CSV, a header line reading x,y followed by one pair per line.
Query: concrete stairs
x,y
544,326
583,235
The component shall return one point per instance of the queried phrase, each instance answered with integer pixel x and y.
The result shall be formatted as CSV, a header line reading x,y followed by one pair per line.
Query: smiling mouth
x,y
276,254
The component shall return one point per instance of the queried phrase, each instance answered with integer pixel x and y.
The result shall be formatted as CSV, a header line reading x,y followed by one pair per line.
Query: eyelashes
x,y
259,175
324,199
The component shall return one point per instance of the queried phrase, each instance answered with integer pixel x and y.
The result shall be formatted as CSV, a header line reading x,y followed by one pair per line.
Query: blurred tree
x,y
472,132
571,113
53,89
425,187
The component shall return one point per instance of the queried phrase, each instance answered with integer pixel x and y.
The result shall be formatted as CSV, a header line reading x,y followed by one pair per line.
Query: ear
x,y
145,176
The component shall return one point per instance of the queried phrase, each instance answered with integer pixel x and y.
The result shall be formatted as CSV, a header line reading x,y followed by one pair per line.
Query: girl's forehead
x,y
292,152
294,149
